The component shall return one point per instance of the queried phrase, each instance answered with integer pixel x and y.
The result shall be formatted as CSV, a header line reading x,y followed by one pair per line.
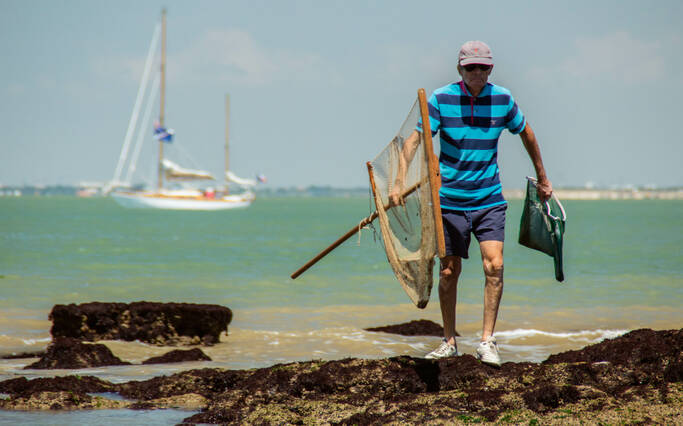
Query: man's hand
x,y
395,198
407,154
544,189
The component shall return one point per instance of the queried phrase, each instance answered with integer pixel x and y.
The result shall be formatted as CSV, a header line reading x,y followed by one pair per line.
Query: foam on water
x,y
266,336
31,342
584,336
244,349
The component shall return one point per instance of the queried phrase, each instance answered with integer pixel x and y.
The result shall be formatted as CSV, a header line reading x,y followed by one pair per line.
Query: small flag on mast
x,y
162,134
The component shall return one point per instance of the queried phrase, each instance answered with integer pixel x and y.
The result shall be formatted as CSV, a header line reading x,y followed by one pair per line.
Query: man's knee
x,y
492,258
494,266
450,269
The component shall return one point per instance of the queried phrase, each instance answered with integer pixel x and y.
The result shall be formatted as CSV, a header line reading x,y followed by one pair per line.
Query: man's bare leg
x,y
448,294
492,260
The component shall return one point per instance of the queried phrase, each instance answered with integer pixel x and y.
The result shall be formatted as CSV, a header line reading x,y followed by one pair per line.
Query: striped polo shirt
x,y
470,128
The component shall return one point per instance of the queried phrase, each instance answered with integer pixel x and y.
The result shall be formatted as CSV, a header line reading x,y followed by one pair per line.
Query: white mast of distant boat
x,y
132,123
227,149
162,99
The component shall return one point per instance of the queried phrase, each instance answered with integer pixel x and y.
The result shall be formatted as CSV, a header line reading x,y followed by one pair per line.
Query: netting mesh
x,y
408,229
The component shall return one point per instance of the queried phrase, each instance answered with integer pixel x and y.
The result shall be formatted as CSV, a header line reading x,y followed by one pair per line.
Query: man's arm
x,y
407,154
544,187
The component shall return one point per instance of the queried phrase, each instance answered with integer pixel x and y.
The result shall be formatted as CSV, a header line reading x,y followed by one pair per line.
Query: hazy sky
x,y
319,87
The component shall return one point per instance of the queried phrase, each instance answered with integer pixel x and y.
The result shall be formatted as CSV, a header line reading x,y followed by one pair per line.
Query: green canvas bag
x,y
542,226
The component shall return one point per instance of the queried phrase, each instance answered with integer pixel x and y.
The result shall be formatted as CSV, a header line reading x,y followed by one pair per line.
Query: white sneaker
x,y
487,352
444,350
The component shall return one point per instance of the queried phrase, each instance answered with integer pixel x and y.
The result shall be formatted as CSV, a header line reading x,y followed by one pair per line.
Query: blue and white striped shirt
x,y
470,128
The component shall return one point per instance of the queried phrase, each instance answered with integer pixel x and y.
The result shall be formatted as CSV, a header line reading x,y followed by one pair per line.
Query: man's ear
x,y
460,70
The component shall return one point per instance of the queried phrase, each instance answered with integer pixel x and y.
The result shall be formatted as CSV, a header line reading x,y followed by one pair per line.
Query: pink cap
x,y
475,52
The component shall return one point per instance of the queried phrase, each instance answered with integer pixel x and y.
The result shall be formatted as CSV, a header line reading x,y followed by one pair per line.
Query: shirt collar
x,y
484,92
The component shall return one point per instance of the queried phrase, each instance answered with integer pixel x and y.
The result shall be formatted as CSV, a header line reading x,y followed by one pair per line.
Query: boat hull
x,y
165,202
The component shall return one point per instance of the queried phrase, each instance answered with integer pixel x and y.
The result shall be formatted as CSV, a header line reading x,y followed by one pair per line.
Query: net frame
x,y
413,266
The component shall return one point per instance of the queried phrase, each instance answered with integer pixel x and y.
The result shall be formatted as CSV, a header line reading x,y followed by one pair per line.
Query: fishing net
x,y
408,229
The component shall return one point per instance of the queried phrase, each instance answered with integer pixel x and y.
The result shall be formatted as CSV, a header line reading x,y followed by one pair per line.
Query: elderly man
x,y
471,114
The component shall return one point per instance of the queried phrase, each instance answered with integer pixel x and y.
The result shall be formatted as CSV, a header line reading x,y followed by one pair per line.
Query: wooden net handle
x,y
351,231
434,177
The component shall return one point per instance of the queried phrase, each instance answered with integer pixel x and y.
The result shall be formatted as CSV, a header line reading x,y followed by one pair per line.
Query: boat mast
x,y
160,180
227,152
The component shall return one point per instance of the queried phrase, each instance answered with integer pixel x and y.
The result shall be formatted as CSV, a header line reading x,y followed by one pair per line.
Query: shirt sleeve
x,y
514,119
434,116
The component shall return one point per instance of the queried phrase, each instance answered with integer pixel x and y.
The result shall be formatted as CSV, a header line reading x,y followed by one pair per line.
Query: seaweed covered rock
x,y
57,393
22,355
149,322
179,355
634,348
23,386
421,327
65,352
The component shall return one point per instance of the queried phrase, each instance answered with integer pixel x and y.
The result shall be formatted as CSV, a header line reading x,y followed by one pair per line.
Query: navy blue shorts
x,y
458,225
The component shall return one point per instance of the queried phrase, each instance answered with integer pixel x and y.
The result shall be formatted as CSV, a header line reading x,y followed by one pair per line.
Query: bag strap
x,y
563,218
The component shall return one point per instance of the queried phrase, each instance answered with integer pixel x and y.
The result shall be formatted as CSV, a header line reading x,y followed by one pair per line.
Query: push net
x,y
408,229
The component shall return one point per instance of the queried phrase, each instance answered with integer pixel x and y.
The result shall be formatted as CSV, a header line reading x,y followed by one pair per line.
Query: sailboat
x,y
176,185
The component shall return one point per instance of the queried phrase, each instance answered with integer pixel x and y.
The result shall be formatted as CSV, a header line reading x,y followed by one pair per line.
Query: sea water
x,y
623,269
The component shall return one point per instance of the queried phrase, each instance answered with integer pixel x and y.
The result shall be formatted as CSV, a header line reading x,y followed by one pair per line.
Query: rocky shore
x,y
635,378
149,322
69,353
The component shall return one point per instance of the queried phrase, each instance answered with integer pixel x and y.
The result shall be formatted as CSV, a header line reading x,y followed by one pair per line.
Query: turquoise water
x,y
76,250
70,250
624,270
99,417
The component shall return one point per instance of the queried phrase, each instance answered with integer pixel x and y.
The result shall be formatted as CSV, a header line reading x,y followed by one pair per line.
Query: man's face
x,y
475,76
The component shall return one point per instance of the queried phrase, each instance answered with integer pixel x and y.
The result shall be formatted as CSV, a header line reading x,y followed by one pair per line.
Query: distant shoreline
x,y
604,194
329,191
